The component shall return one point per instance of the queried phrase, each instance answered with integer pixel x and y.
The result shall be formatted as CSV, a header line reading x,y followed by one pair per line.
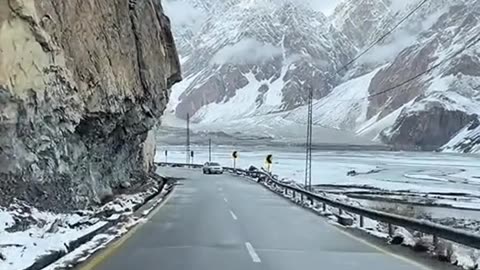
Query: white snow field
x,y
416,171
450,179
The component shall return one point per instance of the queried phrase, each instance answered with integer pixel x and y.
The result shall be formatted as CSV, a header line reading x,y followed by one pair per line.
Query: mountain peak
x,y
251,58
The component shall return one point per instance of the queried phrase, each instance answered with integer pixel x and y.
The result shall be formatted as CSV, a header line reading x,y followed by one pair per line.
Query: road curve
x,y
220,222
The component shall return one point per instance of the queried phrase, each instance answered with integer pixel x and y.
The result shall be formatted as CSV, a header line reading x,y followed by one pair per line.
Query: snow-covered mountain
x,y
245,59
258,57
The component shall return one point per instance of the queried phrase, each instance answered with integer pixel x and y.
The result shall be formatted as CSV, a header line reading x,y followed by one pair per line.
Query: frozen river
x,y
418,177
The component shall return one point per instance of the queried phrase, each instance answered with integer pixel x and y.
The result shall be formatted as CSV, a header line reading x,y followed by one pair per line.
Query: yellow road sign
x,y
269,159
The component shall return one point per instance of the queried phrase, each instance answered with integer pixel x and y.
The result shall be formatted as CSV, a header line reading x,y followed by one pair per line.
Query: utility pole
x,y
188,140
308,144
210,149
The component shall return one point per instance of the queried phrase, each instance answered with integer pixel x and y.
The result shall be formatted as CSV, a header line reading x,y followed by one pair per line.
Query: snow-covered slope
x,y
344,108
444,100
257,57
466,141
246,59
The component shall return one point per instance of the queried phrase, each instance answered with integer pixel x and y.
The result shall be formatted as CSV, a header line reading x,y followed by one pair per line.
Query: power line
x,y
384,35
469,44
466,47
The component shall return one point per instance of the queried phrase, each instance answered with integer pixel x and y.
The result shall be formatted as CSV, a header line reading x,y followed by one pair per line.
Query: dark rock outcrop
x,y
428,129
467,140
407,64
450,90
82,84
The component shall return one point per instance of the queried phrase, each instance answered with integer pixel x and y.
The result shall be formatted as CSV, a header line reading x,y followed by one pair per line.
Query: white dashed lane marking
x,y
252,253
233,215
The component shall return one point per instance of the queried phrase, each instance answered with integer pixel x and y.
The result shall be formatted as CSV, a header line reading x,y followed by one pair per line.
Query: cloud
x,y
402,38
430,20
247,51
401,5
379,54
325,6
183,14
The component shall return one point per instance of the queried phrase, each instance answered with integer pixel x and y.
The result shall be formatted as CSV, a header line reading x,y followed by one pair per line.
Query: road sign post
x,y
210,150
187,150
235,156
269,161
192,155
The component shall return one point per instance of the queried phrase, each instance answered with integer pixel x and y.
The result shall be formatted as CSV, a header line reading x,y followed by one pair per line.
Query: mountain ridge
x,y
310,50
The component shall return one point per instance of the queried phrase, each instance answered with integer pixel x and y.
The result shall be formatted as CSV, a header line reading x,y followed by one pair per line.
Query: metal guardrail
x,y
427,227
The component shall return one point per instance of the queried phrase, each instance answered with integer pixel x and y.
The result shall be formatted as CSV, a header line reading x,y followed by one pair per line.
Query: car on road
x,y
212,168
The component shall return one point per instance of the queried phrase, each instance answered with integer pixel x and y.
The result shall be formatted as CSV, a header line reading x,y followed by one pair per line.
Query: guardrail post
x,y
294,194
324,207
362,222
390,230
286,191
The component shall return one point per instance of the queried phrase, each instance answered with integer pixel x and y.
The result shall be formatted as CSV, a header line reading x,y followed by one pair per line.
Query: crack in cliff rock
x,y
132,4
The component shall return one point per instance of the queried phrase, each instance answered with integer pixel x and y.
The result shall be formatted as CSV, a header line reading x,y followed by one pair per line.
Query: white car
x,y
212,168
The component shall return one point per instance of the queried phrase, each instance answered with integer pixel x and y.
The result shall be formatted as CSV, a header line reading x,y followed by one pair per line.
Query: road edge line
x,y
233,215
111,248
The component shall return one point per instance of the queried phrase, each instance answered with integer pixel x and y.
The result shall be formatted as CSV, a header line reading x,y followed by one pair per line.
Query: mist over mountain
x,y
248,60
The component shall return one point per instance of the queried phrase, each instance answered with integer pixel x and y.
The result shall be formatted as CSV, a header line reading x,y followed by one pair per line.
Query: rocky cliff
x,y
82,84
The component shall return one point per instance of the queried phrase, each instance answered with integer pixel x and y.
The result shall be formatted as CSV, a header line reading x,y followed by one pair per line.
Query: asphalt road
x,y
220,222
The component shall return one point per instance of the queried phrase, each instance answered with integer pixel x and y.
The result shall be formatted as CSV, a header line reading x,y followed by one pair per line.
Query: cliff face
x,y
82,83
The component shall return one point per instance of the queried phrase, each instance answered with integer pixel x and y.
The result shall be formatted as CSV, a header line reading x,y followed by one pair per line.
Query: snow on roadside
x,y
26,233
97,243
102,240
